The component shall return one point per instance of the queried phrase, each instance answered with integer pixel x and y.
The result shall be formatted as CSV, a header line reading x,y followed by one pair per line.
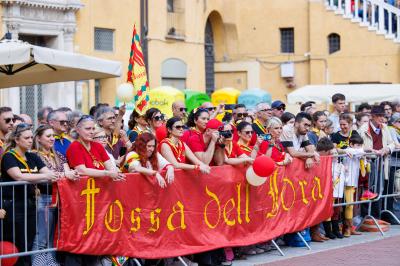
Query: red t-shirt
x,y
278,155
246,149
189,133
78,155
177,150
196,143
235,152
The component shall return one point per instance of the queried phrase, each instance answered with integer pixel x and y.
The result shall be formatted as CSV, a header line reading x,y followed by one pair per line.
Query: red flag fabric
x,y
136,218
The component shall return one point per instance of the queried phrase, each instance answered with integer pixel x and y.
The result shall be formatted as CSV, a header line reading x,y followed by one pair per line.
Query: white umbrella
x,y
355,93
23,64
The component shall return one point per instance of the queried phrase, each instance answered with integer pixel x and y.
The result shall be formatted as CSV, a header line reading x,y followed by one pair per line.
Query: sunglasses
x,y
281,108
183,109
63,122
239,115
100,137
211,108
250,132
266,110
179,127
85,118
159,117
8,120
22,127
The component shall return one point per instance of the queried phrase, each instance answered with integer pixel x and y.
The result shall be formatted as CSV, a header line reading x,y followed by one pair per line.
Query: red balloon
x,y
8,248
263,166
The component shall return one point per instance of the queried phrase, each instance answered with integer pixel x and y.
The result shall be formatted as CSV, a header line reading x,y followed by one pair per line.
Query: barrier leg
x,y
137,262
278,248
375,222
391,214
183,262
304,241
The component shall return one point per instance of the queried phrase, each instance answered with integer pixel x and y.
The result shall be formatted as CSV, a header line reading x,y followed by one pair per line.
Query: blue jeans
x,y
46,223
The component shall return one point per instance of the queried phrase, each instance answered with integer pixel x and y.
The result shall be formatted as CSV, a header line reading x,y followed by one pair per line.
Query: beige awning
x,y
23,64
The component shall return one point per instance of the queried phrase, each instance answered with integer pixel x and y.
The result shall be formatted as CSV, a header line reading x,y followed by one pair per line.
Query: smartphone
x,y
266,137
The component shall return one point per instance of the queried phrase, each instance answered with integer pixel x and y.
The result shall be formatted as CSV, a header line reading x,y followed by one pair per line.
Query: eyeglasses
x,y
85,118
183,109
239,115
159,117
179,127
266,110
281,108
211,109
8,120
63,122
103,137
248,132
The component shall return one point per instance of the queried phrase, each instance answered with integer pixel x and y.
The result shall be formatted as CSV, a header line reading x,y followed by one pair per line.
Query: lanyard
x,y
21,160
258,123
96,163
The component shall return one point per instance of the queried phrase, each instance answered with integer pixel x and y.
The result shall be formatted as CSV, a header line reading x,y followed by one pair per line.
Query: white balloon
x,y
125,92
254,179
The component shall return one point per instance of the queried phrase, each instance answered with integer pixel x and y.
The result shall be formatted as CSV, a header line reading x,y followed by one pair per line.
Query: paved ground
x,y
367,249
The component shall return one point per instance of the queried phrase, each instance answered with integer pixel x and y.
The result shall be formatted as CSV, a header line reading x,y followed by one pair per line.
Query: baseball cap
x,y
277,104
214,124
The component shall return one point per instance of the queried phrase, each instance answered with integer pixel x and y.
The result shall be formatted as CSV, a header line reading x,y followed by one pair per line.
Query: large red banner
x,y
137,218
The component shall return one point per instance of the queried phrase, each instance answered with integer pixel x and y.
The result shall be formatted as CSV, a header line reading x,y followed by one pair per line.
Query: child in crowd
x,y
352,169
325,147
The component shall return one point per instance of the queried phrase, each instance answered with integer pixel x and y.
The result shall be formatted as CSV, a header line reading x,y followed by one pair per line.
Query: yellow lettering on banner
x,y
317,184
273,193
155,220
214,197
302,184
226,213
247,203
135,220
109,218
170,226
90,193
287,181
238,186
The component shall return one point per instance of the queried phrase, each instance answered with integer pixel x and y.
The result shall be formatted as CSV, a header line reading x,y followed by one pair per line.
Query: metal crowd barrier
x,y
387,190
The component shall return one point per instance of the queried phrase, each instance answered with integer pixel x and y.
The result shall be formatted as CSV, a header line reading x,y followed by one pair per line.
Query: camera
x,y
266,137
225,133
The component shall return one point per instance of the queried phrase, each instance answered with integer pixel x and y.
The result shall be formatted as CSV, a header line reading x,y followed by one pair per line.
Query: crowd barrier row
x,y
386,188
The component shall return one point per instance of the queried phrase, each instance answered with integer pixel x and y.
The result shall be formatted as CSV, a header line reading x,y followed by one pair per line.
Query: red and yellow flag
x,y
137,74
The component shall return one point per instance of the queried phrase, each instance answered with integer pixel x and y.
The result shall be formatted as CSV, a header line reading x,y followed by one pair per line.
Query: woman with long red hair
x,y
145,159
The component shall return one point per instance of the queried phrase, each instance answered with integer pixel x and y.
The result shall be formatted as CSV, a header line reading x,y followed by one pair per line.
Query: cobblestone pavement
x,y
367,249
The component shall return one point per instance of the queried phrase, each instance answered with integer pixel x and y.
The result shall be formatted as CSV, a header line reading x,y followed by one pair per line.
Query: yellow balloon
x,y
125,92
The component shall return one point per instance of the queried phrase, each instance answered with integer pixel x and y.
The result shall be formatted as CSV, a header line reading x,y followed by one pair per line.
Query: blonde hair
x,y
274,121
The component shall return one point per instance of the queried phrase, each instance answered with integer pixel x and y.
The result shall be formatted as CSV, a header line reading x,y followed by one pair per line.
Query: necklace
x,y
96,163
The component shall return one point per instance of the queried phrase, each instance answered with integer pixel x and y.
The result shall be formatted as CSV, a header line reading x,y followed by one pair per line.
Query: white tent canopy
x,y
359,93
23,64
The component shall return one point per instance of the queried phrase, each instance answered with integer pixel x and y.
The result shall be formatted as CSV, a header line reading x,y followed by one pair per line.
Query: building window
x,y
170,5
173,73
287,40
334,42
104,39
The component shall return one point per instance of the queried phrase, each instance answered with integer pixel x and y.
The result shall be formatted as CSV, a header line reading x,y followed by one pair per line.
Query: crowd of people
x,y
69,144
